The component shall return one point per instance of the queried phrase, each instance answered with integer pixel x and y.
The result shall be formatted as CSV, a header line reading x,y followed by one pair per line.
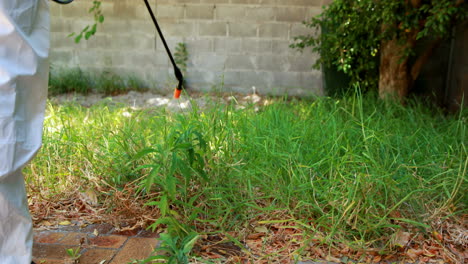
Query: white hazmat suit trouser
x,y
24,47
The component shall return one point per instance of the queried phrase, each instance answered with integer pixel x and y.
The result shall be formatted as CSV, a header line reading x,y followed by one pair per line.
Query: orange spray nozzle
x,y
177,93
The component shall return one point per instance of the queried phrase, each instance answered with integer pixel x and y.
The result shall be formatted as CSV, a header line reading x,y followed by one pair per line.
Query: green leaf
x,y
78,38
143,153
189,242
88,35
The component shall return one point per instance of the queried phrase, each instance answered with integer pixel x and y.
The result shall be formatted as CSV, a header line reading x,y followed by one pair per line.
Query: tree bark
x,y
394,76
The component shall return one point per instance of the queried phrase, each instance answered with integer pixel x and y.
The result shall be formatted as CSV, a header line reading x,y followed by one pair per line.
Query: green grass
x,y
75,80
350,169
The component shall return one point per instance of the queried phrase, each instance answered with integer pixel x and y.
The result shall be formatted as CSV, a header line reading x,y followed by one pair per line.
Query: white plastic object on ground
x,y
24,48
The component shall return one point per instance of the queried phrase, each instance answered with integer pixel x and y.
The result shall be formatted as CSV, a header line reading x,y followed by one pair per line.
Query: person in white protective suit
x,y
24,47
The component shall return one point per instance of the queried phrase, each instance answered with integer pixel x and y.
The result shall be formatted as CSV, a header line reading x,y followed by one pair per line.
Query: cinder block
x,y
305,3
272,63
298,81
79,9
179,29
55,11
255,46
242,30
58,24
236,62
257,79
209,61
200,12
61,57
276,30
299,29
200,76
301,63
231,77
254,2
214,1
230,12
97,42
227,45
281,47
196,45
129,42
213,29
311,83
170,11
260,14
172,42
125,10
178,1
140,27
291,14
114,26
145,59
141,11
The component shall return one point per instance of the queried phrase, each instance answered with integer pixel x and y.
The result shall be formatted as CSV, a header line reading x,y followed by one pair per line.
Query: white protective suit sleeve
x,y
24,48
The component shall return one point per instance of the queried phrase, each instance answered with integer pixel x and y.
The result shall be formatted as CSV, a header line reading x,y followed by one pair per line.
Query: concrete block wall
x,y
232,45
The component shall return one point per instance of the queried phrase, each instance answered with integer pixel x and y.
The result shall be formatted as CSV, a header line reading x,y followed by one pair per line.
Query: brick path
x,y
107,247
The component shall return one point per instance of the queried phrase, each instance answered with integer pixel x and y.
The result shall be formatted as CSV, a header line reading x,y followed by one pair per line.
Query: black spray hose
x,y
177,72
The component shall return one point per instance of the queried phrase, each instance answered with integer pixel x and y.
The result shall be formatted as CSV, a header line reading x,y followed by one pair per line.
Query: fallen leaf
x,y
96,232
261,229
90,197
45,223
65,223
437,235
401,239
332,259
414,253
255,236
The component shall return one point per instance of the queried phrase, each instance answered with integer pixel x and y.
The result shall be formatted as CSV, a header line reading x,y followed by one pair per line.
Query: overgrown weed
x,y
348,172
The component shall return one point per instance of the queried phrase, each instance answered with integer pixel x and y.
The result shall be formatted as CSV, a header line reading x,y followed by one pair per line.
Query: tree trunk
x,y
394,76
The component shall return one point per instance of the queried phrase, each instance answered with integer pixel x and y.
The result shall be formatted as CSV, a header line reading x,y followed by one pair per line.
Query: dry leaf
x,y
90,197
401,239
414,253
261,229
255,236
437,235
65,223
332,259
45,223
96,232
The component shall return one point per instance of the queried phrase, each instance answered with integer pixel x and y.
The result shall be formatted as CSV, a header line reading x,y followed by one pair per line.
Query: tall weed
x,y
350,169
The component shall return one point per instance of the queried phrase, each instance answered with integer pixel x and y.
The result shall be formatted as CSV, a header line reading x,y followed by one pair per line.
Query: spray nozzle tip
x,y
177,93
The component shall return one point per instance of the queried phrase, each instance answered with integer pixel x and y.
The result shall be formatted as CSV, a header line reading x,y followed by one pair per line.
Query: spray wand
x,y
177,72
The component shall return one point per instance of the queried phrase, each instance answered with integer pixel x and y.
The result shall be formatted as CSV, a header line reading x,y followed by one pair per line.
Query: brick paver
x,y
107,241
97,244
74,239
97,256
50,251
48,237
135,248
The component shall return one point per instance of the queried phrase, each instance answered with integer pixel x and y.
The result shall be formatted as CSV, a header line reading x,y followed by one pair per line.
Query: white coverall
x,y
24,48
